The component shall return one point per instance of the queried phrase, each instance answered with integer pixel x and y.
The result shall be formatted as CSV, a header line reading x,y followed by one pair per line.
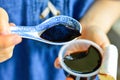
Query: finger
x,y
9,40
12,24
57,63
4,25
69,78
105,42
102,40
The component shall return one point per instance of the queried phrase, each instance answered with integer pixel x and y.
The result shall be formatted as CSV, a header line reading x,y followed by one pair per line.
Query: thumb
x,y
5,36
4,25
57,63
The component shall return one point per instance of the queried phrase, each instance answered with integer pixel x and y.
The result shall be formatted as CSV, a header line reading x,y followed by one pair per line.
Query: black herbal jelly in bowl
x,y
84,61
60,33
81,58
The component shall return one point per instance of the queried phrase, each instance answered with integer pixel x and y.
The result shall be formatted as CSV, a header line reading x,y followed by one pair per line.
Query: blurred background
x,y
114,36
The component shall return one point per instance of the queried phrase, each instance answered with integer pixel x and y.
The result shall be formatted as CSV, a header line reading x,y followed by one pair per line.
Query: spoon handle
x,y
21,29
25,31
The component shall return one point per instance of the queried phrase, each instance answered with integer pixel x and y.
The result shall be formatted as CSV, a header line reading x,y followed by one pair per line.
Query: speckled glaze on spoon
x,y
57,30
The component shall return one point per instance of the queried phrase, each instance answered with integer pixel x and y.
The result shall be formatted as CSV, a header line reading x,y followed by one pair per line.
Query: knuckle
x,y
6,42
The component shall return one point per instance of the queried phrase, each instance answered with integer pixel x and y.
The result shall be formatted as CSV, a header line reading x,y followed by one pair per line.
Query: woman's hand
x,y
7,40
94,34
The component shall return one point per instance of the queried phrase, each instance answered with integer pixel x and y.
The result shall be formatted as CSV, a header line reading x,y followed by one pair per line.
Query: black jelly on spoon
x,y
60,33
84,62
